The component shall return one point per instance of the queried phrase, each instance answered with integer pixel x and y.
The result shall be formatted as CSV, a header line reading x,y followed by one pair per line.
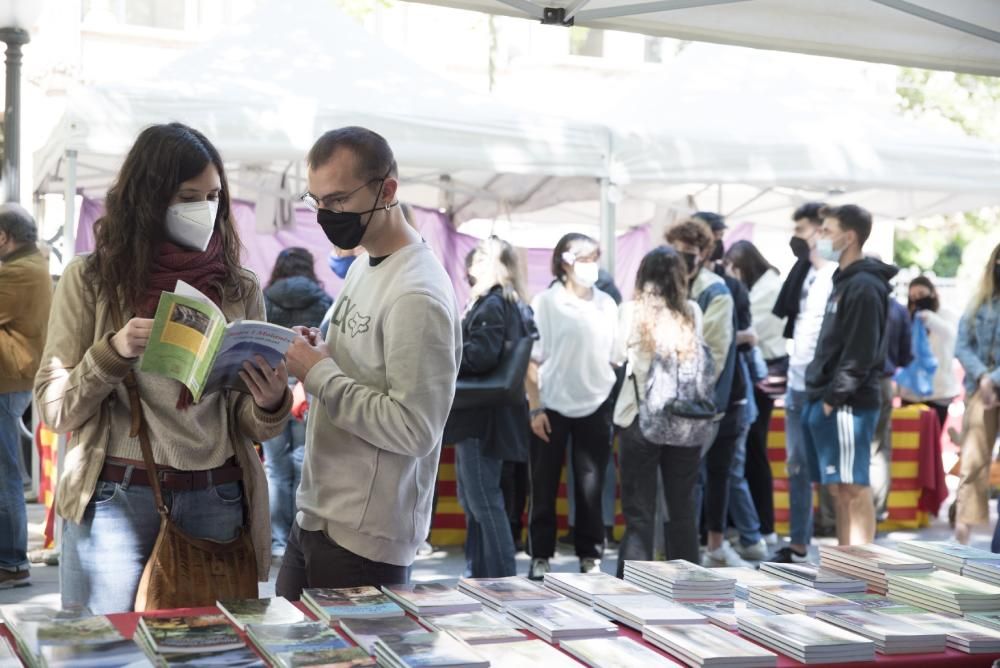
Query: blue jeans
x,y
800,493
489,545
13,515
283,456
607,493
104,555
742,511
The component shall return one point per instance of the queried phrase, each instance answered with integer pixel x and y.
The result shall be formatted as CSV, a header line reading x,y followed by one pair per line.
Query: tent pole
x,y
607,227
69,194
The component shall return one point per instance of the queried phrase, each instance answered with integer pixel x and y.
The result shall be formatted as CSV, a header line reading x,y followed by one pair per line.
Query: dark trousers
x,y
312,559
718,461
758,468
591,448
641,463
514,484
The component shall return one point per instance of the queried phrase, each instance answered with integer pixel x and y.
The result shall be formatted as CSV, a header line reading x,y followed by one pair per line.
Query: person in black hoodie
x,y
485,438
843,380
294,296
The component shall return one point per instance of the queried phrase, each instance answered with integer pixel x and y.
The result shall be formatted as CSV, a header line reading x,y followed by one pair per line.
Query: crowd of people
x,y
684,377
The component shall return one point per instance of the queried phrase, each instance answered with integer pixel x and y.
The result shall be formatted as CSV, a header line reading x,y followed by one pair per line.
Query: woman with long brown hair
x,y
168,218
978,350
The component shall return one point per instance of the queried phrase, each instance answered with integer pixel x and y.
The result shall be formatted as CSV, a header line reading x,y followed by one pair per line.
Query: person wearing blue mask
x,y
340,261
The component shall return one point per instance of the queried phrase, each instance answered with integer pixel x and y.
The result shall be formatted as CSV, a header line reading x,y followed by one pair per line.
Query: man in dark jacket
x,y
843,380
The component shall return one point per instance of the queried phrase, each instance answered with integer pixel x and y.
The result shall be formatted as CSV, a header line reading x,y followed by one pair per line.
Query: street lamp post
x,y
14,38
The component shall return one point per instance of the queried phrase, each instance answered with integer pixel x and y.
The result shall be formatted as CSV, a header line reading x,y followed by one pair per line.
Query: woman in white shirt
x,y
942,331
569,384
661,321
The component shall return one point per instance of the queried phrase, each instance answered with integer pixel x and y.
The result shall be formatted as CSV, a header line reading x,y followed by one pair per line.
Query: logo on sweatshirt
x,y
347,318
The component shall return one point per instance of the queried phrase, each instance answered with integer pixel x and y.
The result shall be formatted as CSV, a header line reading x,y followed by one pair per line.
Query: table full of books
x,y
922,604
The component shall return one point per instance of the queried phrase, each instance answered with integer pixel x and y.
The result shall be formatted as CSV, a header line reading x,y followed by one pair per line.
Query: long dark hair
x,y
293,261
663,321
925,282
576,243
126,237
743,255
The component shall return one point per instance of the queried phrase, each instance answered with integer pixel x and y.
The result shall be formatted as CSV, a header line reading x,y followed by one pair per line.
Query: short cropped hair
x,y
810,211
693,232
851,217
18,224
373,156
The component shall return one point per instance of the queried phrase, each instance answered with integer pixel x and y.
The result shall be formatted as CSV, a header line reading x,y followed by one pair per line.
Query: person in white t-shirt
x,y
569,385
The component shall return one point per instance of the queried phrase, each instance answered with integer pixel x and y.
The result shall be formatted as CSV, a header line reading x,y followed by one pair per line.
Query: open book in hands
x,y
192,343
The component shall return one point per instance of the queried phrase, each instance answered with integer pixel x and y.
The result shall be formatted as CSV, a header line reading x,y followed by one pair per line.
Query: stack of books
x,y
984,571
562,620
528,653
330,605
274,639
680,580
475,627
788,598
941,591
499,593
960,634
891,634
583,587
811,575
990,619
870,563
708,646
745,578
365,631
45,637
947,555
427,650
612,652
638,610
878,603
261,611
184,635
807,640
727,615
432,598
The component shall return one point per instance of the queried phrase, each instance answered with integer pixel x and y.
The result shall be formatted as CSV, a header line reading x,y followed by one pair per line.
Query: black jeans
x,y
718,461
591,448
514,483
758,467
641,462
312,559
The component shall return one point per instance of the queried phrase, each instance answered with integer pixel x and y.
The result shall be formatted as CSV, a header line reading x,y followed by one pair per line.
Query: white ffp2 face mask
x,y
586,273
191,224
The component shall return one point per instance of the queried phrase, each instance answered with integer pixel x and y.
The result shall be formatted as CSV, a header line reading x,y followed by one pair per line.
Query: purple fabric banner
x,y
450,246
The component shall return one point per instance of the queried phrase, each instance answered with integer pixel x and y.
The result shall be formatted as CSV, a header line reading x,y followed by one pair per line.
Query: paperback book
x,y
793,598
639,610
527,653
562,620
475,627
961,634
746,577
429,649
811,575
947,555
176,635
332,604
365,631
891,634
870,563
431,598
984,571
680,580
942,591
708,646
808,640
91,641
261,611
273,639
583,587
727,615
615,653
498,593
344,657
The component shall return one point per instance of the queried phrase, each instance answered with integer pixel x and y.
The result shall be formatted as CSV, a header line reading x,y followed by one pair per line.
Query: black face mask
x,y
718,252
691,260
344,229
800,248
923,304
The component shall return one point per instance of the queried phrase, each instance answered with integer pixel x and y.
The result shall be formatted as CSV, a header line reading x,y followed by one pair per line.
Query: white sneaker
x,y
772,539
722,556
539,567
590,565
425,549
756,552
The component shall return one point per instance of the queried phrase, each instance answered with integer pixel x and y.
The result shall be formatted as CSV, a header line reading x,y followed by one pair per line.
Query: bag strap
x,y
138,426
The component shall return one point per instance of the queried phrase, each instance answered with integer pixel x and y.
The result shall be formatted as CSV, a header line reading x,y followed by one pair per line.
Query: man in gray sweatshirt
x,y
382,381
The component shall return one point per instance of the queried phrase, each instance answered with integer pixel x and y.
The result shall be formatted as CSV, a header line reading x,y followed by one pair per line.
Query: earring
x,y
387,206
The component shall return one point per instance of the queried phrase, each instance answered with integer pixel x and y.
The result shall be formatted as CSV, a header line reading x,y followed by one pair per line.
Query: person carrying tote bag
x,y
167,218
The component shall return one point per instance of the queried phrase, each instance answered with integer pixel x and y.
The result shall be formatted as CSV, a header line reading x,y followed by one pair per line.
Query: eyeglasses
x,y
334,202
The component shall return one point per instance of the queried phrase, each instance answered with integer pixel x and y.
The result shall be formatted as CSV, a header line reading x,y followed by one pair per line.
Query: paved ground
x,y
443,564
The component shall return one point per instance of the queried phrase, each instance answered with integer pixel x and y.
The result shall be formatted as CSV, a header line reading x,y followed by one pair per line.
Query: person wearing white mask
x,y
570,380
167,218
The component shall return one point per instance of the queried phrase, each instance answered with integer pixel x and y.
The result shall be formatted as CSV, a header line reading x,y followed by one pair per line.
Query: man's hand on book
x,y
131,340
305,352
266,385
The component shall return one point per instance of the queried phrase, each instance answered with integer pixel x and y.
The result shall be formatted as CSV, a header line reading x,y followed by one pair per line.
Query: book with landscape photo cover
x,y
192,343
272,639
365,631
350,602
343,657
205,633
276,610
511,590
430,596
475,627
427,649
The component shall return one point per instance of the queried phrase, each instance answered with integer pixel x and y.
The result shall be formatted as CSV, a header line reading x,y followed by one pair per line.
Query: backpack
x,y
678,406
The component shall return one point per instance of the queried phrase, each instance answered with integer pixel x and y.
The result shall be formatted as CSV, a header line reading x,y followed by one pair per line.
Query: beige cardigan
x,y
80,369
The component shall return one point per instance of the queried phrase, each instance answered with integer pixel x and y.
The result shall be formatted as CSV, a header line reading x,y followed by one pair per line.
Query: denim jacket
x,y
978,345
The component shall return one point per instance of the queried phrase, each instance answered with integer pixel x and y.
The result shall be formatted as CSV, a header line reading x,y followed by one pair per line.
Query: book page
x,y
242,341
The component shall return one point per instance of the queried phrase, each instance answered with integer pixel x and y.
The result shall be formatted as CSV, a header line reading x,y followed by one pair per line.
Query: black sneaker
x,y
787,555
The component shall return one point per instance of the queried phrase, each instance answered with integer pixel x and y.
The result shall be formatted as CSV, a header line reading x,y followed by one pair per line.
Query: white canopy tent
x,y
957,35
